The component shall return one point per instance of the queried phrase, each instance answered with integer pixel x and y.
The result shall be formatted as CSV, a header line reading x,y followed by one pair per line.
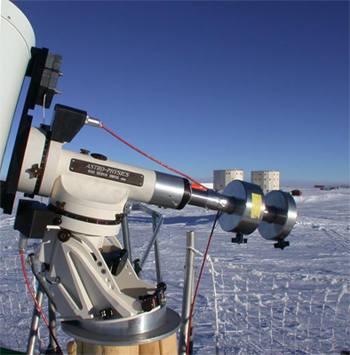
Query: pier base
x,y
167,346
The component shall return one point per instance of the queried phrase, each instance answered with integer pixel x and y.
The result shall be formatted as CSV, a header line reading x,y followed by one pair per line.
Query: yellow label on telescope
x,y
256,206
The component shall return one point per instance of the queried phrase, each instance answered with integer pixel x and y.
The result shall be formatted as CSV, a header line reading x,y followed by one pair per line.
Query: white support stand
x,y
187,295
83,272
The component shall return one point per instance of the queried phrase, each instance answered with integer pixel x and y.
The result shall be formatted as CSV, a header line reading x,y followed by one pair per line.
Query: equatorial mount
x,y
99,296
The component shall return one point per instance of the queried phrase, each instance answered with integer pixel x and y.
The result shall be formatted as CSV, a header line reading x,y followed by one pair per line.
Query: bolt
x,y
60,205
57,221
64,236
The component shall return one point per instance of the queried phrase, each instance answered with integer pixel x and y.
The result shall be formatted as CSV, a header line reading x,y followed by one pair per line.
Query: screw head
x,y
64,236
57,221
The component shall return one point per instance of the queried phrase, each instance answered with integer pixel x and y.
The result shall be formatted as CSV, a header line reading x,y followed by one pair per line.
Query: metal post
x,y
52,324
154,237
33,334
187,293
157,221
125,231
156,249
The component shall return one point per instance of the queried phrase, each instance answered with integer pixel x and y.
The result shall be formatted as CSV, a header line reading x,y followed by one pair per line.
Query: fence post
x,y
187,293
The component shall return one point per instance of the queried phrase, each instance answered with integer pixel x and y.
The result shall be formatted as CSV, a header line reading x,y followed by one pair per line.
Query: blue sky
x,y
207,85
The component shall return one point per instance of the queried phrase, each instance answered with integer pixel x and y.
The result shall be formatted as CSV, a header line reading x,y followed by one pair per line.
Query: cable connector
x,y
93,122
23,241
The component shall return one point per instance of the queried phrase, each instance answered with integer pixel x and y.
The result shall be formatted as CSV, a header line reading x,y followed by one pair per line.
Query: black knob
x,y
84,151
98,156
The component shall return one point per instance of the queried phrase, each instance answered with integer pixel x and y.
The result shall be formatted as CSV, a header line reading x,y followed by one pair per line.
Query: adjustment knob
x,y
98,156
84,151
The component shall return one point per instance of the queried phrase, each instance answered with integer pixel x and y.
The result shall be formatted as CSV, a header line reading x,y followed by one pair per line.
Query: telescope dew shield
x,y
16,39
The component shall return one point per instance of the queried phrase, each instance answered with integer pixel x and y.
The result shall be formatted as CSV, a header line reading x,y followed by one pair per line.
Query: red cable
x,y
37,304
151,158
198,282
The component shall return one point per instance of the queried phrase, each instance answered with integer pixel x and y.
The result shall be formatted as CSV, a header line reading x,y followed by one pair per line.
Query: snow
x,y
268,301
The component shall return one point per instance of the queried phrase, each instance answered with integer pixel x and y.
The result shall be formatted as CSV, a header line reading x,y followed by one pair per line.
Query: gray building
x,y
268,180
223,177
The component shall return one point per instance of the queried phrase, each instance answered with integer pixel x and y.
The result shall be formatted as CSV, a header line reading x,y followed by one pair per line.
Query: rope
x,y
153,159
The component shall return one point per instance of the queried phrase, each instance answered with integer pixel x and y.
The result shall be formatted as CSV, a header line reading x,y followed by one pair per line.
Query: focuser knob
x,y
99,156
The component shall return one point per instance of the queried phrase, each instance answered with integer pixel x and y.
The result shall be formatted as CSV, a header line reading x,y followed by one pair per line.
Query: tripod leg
x,y
33,334
52,322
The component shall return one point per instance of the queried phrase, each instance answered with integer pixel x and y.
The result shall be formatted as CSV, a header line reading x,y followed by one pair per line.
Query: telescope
x,y
95,289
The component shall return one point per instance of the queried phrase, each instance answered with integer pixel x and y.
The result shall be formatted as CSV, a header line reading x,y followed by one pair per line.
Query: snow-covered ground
x,y
268,301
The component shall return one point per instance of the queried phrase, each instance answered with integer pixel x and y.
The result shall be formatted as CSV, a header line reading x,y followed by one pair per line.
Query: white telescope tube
x,y
16,40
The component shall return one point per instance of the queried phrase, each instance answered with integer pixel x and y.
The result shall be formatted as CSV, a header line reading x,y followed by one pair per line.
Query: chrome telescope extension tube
x,y
212,200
